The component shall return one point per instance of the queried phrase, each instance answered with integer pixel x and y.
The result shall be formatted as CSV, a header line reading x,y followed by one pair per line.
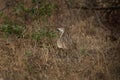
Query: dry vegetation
x,y
28,36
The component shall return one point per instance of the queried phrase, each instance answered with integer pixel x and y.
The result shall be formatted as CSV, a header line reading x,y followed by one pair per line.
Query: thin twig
x,y
97,8
2,9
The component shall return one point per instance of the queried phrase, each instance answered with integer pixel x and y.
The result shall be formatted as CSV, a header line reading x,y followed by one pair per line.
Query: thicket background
x,y
28,36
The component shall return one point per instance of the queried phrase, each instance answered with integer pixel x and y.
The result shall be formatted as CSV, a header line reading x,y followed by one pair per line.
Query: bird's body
x,y
64,40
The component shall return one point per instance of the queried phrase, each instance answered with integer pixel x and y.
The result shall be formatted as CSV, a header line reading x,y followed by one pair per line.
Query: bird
x,y
64,41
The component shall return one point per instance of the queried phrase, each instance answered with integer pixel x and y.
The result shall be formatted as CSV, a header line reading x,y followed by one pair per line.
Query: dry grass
x,y
95,57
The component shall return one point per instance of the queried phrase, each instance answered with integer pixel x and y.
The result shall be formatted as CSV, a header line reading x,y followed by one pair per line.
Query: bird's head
x,y
61,30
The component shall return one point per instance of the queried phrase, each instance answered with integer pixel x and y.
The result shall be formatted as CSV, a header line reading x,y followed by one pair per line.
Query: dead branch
x,y
97,8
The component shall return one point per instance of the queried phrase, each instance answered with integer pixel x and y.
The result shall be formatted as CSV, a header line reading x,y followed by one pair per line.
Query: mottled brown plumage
x,y
64,41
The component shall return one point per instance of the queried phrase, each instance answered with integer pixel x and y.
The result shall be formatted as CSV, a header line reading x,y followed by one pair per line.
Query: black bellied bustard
x,y
64,41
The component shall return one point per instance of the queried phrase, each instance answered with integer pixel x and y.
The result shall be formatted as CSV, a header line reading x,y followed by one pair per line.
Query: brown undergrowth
x,y
33,54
